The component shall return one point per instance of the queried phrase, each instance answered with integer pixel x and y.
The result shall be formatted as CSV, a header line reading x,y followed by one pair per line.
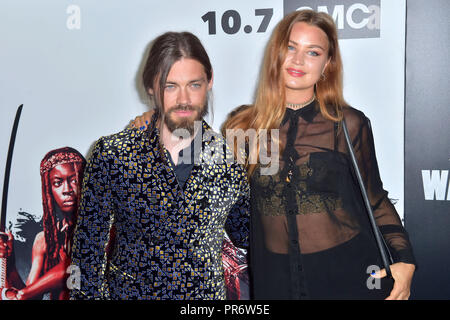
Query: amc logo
x,y
354,18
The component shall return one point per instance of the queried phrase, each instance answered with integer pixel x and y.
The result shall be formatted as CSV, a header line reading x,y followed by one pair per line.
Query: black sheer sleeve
x,y
384,211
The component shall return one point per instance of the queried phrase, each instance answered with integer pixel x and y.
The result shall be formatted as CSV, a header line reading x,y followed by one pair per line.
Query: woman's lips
x,y
295,72
69,203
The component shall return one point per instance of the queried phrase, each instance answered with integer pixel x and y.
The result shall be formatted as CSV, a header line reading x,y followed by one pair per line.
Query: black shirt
x,y
310,235
185,164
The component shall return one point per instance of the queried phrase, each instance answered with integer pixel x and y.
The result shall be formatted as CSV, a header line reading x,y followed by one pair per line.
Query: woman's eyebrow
x,y
309,46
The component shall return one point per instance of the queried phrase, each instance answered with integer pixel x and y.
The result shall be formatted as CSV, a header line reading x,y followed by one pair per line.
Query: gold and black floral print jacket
x,y
168,241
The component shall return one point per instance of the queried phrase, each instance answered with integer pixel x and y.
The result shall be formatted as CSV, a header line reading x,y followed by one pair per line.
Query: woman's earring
x,y
323,77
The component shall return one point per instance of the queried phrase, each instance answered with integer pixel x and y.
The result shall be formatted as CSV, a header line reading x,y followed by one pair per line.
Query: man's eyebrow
x,y
197,80
194,80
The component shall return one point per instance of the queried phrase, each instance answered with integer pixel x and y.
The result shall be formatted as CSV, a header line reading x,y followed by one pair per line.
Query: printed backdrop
x,y
75,66
427,146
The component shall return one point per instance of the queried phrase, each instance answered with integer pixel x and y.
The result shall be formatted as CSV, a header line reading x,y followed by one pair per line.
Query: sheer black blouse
x,y
311,236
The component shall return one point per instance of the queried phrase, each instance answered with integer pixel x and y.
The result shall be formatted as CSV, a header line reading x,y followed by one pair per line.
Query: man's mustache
x,y
183,107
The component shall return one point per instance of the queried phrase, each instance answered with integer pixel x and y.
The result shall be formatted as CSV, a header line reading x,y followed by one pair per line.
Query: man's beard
x,y
188,123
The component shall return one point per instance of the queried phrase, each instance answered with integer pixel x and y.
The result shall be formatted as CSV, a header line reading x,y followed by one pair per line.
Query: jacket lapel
x,y
202,173
163,190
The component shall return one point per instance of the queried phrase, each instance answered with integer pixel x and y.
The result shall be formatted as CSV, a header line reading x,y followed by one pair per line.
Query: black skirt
x,y
339,273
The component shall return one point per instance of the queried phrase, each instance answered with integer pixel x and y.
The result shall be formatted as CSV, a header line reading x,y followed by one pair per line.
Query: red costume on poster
x,y
61,175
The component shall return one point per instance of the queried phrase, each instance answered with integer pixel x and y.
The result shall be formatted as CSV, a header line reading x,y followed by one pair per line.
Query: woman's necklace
x,y
296,106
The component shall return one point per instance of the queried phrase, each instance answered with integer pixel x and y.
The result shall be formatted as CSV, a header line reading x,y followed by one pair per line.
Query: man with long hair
x,y
61,174
170,192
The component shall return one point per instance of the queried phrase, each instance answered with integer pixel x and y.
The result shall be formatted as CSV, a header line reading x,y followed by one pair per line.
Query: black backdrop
x,y
427,144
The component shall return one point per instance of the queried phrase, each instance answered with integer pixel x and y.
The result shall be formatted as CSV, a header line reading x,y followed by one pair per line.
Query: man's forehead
x,y
186,70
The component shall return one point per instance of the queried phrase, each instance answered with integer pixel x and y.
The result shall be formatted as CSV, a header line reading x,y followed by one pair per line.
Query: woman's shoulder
x,y
239,117
354,117
242,109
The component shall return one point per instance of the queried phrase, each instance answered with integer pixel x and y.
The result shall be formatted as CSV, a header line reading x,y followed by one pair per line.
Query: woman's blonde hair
x,y
270,102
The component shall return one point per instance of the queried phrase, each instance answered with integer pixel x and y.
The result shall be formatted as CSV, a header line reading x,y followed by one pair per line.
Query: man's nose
x,y
183,96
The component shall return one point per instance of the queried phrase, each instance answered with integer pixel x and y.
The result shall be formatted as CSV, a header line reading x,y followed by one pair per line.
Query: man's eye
x,y
196,85
291,48
169,87
56,183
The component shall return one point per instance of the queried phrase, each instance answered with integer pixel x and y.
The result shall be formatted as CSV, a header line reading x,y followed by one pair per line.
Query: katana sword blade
x,y
8,168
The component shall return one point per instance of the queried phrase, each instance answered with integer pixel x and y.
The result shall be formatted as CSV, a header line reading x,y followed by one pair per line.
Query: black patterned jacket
x,y
168,242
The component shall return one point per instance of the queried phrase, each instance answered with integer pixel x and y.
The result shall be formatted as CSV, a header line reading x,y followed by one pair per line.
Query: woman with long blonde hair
x,y
310,235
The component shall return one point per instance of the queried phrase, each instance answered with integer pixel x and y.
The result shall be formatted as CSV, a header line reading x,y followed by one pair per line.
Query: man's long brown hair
x,y
269,107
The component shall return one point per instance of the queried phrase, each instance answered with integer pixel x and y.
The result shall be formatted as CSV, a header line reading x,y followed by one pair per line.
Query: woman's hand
x,y
6,244
402,274
10,294
141,122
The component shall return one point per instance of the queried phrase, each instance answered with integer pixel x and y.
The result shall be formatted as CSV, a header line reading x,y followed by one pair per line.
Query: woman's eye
x,y
56,183
313,53
291,48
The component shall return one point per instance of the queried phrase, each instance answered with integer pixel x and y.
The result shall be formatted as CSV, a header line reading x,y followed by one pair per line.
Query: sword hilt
x,y
2,272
